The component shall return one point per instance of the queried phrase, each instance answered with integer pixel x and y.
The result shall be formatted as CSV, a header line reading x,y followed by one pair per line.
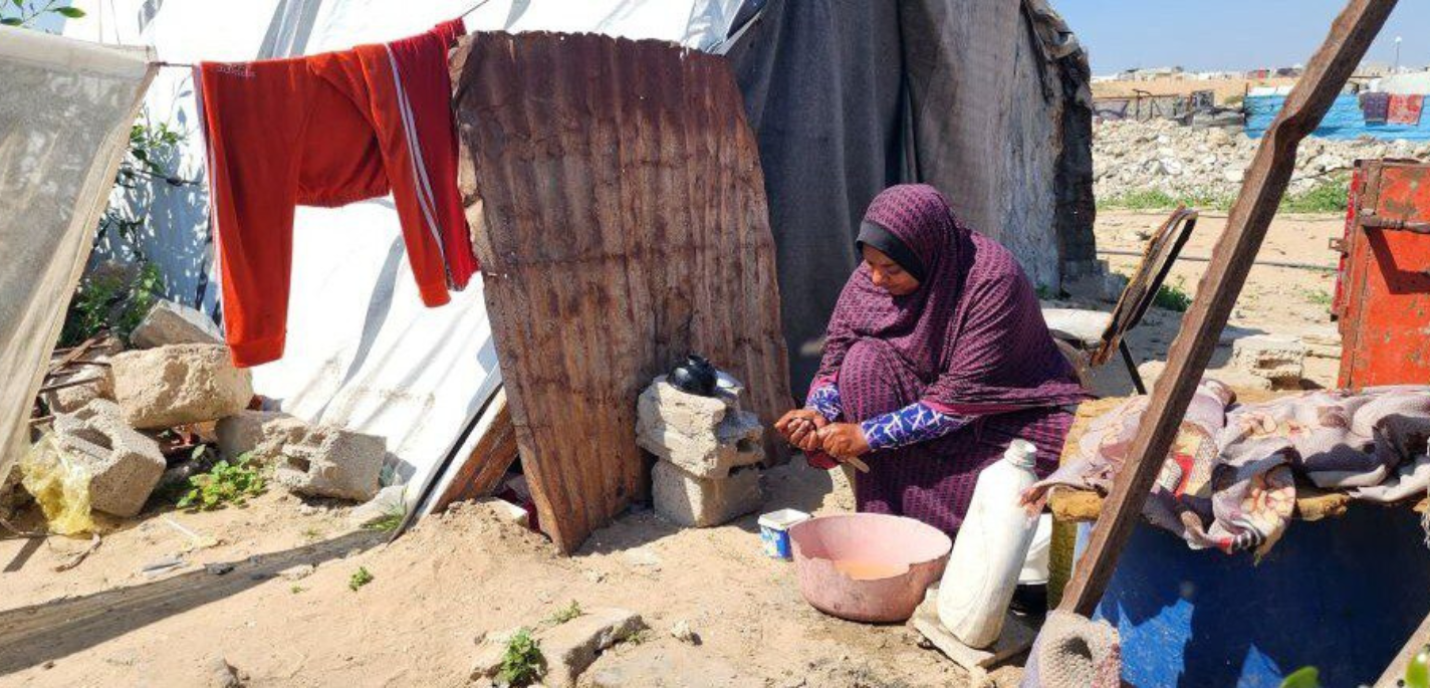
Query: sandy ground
x,y
1224,88
1276,300
434,592
457,576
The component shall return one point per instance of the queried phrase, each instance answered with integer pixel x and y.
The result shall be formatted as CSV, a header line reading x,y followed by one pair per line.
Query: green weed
x,y
1172,297
106,301
1326,197
565,614
359,578
1157,199
388,522
522,663
1319,297
28,12
223,485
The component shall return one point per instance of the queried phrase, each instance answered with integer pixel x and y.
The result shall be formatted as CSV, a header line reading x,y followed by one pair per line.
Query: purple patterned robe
x,y
970,342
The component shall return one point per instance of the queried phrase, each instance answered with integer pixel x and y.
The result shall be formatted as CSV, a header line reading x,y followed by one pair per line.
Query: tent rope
x,y
188,65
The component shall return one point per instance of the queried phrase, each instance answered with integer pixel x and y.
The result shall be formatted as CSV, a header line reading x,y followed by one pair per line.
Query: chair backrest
x,y
1161,253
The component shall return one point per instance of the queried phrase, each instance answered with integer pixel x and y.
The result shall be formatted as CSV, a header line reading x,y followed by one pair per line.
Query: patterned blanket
x,y
1229,481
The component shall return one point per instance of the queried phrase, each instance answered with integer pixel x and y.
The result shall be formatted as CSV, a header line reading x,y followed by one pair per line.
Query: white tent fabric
x,y
65,112
362,352
175,236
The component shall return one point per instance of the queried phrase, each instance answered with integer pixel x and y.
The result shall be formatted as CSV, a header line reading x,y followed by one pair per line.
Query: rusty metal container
x,y
1382,296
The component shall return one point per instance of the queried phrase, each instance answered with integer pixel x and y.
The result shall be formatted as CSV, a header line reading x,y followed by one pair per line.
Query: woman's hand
x,y
843,440
801,428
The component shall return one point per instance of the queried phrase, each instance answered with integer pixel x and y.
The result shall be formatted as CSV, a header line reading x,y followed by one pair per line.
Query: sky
x,y
1204,35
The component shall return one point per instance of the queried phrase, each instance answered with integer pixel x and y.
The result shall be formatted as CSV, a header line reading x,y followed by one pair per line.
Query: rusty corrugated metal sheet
x,y
621,222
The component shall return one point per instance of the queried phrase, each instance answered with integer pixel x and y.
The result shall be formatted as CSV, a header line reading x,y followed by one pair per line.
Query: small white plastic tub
x,y
774,531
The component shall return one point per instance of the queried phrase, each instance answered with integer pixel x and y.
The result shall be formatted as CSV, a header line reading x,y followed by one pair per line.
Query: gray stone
x,y
260,434
698,502
682,630
178,385
1277,358
124,465
297,573
389,500
71,399
171,323
221,674
573,646
329,462
12,495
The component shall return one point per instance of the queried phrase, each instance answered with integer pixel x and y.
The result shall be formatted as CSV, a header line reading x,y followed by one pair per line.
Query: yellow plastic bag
x,y
59,485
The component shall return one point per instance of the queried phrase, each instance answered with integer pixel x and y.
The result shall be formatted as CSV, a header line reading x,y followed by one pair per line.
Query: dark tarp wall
x,y
822,81
985,99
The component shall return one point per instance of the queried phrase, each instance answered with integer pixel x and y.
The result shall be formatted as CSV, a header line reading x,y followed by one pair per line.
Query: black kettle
x,y
695,375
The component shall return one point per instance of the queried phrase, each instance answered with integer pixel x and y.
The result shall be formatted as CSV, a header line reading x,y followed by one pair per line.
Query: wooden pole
x,y
1235,251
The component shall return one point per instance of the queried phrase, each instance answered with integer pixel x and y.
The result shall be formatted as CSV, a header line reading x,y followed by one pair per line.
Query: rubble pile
x,y
1130,156
708,450
122,425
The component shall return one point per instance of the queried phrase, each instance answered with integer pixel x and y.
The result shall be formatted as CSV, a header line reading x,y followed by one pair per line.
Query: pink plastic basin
x,y
867,567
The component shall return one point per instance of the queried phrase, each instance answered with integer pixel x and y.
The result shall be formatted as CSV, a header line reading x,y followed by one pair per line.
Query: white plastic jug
x,y
989,551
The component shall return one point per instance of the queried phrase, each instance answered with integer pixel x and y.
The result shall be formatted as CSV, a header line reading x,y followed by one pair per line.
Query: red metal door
x,y
1383,295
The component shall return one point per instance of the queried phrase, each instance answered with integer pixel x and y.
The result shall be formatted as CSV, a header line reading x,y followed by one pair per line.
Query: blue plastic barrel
x,y
1341,594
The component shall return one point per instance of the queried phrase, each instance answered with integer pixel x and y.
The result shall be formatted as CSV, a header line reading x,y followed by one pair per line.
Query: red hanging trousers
x,y
329,130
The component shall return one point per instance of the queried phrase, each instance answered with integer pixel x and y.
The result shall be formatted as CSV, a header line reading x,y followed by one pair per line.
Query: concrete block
x,y
697,502
171,323
735,442
685,413
260,434
71,399
329,462
124,464
179,384
573,646
1274,357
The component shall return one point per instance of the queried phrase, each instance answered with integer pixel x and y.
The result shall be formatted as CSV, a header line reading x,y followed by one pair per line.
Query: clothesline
x,y
188,65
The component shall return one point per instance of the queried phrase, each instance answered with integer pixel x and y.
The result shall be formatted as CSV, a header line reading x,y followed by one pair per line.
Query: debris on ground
x,y
60,485
330,462
682,630
172,323
261,434
221,674
565,650
75,392
389,501
1161,155
124,465
179,385
1278,358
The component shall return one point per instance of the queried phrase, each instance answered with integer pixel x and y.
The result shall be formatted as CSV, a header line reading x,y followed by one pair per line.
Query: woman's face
x,y
887,274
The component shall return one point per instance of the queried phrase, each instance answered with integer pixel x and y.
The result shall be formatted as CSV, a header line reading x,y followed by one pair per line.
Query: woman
x,y
936,358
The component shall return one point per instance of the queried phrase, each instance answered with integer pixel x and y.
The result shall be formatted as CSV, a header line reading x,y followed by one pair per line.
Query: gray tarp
x,y
65,111
985,99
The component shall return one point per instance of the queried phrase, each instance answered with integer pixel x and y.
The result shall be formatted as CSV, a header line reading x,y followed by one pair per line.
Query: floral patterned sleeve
x,y
909,425
825,400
